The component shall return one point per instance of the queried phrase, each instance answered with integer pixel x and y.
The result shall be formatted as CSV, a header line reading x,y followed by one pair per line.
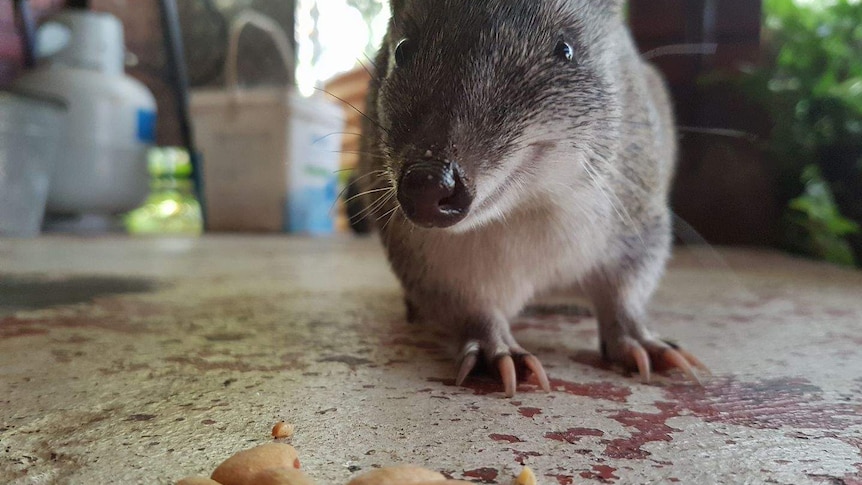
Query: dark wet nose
x,y
432,194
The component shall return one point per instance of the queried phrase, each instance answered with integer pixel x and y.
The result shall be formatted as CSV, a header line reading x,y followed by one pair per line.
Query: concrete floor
x,y
145,360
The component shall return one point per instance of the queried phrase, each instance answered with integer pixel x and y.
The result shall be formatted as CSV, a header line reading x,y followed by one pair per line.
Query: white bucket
x,y
270,156
30,133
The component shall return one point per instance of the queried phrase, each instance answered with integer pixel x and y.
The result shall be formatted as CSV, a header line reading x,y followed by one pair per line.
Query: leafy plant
x,y
817,215
811,84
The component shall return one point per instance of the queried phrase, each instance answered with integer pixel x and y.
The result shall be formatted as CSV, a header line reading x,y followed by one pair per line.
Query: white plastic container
x,y
30,130
111,117
270,156
111,122
312,180
85,40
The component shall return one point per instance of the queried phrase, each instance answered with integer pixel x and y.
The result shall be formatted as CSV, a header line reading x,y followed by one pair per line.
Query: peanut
x,y
240,468
397,475
282,430
197,481
281,476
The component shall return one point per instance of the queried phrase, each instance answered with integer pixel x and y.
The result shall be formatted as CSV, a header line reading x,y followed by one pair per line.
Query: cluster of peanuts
x,y
278,464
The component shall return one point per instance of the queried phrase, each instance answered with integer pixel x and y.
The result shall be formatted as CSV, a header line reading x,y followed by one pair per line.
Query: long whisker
x,y
379,173
686,233
725,132
370,74
370,61
618,207
353,152
375,206
372,191
347,186
373,121
380,206
387,213
395,213
707,255
352,169
317,140
681,49
342,170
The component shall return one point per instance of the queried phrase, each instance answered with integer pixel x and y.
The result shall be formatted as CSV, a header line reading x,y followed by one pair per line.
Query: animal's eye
x,y
405,50
564,52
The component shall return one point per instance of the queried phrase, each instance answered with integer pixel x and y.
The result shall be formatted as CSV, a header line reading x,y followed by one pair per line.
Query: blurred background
x,y
768,97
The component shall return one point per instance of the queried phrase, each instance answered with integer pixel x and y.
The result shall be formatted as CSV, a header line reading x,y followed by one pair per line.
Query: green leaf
x,y
820,219
850,93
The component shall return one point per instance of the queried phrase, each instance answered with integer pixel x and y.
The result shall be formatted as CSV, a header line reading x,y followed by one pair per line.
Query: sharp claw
x,y
536,368
680,362
643,363
694,361
506,366
467,365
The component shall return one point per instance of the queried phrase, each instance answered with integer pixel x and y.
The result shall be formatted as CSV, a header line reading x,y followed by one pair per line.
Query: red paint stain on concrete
x,y
573,435
133,308
529,412
832,479
853,480
407,341
11,327
483,385
521,456
16,327
485,475
14,332
786,403
563,479
839,312
506,438
238,364
768,404
650,427
603,473
595,390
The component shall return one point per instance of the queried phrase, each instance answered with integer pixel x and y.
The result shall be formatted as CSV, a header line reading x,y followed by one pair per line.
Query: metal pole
x,y
176,68
28,32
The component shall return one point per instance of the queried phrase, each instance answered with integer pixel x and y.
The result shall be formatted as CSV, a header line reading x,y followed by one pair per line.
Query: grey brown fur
x,y
569,164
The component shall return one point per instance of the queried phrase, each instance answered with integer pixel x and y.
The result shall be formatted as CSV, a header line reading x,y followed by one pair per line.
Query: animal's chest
x,y
508,262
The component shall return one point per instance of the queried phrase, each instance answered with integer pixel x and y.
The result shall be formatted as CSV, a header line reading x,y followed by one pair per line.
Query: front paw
x,y
503,358
645,354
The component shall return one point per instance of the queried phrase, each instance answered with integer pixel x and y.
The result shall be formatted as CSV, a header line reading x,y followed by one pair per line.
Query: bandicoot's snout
x,y
433,194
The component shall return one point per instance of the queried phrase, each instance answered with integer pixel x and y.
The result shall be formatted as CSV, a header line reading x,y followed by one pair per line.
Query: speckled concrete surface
x,y
207,343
